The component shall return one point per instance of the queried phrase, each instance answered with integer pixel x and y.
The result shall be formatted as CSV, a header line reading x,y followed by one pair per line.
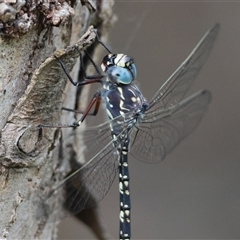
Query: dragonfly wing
x,y
89,184
160,133
175,88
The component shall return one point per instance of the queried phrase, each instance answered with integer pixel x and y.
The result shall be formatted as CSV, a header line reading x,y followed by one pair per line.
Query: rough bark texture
x,y
33,89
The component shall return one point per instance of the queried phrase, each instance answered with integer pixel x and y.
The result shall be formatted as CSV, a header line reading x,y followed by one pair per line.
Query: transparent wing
x,y
92,180
89,184
158,135
175,88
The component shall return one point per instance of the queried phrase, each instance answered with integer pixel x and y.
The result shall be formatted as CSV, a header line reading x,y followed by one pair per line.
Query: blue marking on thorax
x,y
122,99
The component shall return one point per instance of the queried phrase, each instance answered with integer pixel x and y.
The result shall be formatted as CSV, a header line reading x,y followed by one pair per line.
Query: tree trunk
x,y
33,89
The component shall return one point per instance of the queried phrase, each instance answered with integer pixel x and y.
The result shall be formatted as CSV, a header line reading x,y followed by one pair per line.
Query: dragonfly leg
x,y
96,100
88,79
100,41
78,111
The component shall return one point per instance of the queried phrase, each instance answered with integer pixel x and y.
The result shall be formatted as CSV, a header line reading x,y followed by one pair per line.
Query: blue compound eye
x,y
119,68
120,75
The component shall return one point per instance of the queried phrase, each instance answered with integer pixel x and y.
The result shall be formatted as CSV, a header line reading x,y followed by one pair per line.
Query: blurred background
x,y
194,193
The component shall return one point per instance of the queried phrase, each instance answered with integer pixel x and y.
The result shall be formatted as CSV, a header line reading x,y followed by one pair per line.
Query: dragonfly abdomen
x,y
124,191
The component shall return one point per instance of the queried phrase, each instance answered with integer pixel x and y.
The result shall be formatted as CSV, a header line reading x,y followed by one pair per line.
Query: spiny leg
x,y
87,80
92,78
96,100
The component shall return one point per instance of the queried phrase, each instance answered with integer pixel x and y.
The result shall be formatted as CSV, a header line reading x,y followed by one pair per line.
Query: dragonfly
x,y
146,130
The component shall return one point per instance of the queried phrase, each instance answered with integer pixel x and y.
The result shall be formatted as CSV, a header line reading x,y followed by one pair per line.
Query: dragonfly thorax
x,y
122,99
120,68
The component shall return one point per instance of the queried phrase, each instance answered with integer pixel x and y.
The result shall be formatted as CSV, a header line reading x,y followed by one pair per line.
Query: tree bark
x,y
33,89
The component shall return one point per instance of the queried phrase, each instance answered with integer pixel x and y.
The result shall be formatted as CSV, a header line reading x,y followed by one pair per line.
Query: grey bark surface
x,y
33,89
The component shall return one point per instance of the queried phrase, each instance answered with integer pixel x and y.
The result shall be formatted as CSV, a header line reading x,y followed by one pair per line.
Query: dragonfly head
x,y
119,68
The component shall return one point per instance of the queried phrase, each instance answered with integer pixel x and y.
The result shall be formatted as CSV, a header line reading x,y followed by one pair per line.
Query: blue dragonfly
x,y
147,130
